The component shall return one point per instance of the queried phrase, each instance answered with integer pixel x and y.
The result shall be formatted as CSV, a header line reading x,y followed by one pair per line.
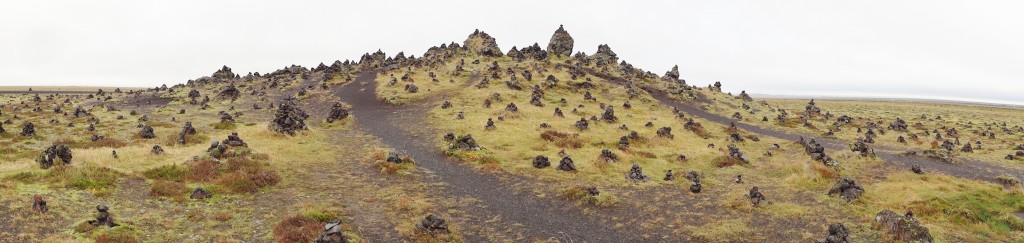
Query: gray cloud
x,y
936,49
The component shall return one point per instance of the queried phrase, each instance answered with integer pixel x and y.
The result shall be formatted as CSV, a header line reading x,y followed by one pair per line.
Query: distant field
x,y
901,100
9,89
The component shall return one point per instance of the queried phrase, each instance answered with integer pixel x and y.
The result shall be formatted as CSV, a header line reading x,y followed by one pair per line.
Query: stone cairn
x,y
338,112
756,198
186,130
289,118
904,228
147,132
39,205
847,188
561,43
200,194
103,217
636,174
433,225
49,156
837,233
332,234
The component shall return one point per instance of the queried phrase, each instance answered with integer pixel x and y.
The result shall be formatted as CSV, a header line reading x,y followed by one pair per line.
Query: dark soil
x,y
539,218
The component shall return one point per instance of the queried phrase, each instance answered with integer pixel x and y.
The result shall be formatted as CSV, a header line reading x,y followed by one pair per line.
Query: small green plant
x,y
583,195
167,172
319,214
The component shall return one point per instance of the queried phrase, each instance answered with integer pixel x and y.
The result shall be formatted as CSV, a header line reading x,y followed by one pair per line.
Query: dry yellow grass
x,y
951,208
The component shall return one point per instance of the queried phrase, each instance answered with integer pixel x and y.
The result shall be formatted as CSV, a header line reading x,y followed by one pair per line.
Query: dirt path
x,y
969,169
539,218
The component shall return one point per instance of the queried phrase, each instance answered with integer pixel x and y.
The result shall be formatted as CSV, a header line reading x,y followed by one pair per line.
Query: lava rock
x,y
147,132
28,130
904,228
289,118
837,233
103,217
566,164
433,225
49,156
847,188
465,142
200,194
756,198
234,140
482,44
157,150
636,174
541,162
332,234
39,205
561,43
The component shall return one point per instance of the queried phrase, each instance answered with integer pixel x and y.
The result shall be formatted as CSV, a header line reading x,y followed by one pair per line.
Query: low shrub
x,y
162,188
562,140
168,172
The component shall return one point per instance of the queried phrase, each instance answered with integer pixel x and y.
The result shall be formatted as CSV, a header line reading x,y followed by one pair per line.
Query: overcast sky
x,y
969,50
